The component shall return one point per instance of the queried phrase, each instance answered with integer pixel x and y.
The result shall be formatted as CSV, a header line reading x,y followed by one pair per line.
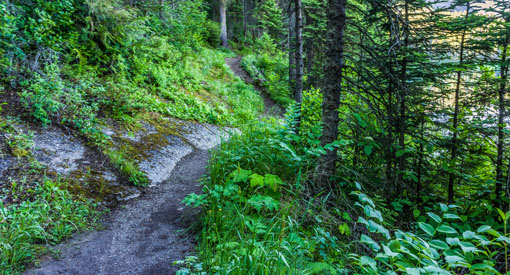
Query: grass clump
x,y
51,216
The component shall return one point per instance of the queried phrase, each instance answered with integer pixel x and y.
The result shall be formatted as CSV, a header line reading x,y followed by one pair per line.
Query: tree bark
x,y
292,46
501,115
332,89
223,23
452,176
298,91
403,91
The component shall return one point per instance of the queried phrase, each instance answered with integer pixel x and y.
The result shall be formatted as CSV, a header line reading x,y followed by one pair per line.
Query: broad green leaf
x,y
256,180
502,214
430,269
468,234
484,267
427,228
412,271
368,149
394,245
273,181
373,213
503,239
388,252
483,228
416,213
439,244
364,260
435,217
494,233
451,216
468,247
453,241
446,229
344,229
443,207
240,175
375,227
455,261
370,242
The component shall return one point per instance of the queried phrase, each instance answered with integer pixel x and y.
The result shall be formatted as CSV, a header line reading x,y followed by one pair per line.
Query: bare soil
x,y
143,236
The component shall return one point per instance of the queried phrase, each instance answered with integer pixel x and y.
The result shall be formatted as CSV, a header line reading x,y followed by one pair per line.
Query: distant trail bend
x,y
271,108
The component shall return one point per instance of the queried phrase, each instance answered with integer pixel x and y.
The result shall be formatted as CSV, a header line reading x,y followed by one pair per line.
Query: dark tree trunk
x,y
298,89
309,55
161,8
292,46
332,89
501,116
454,149
403,92
420,161
223,23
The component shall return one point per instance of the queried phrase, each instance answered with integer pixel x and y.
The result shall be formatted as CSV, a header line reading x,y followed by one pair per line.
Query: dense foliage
x,y
421,172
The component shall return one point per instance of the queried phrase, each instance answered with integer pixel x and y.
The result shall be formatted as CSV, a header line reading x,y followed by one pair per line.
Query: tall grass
x,y
253,211
51,217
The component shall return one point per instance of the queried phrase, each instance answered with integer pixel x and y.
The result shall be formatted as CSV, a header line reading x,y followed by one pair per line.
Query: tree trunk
x,y
452,177
292,46
309,55
161,9
298,88
403,91
501,116
332,89
420,161
223,23
298,91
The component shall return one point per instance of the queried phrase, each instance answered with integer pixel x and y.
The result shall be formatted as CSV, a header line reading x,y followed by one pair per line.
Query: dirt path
x,y
146,234
142,237
271,108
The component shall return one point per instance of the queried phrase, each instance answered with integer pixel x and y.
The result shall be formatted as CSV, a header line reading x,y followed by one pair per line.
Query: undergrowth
x,y
269,67
263,213
51,216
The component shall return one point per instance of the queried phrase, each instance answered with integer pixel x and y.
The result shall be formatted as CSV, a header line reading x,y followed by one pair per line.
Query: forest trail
x,y
144,235
271,108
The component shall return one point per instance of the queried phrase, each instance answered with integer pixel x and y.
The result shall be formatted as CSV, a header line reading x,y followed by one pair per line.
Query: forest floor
x,y
147,234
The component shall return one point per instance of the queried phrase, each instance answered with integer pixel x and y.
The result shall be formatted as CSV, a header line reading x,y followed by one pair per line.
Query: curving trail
x,y
144,235
271,108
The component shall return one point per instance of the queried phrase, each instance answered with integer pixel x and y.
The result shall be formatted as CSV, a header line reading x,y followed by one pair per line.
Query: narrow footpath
x,y
147,234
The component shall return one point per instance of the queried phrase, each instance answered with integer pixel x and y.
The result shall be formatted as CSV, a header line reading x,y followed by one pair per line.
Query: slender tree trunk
x,y
420,161
402,119
223,23
245,19
501,116
161,8
298,88
309,54
332,89
389,140
452,177
292,46
298,91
